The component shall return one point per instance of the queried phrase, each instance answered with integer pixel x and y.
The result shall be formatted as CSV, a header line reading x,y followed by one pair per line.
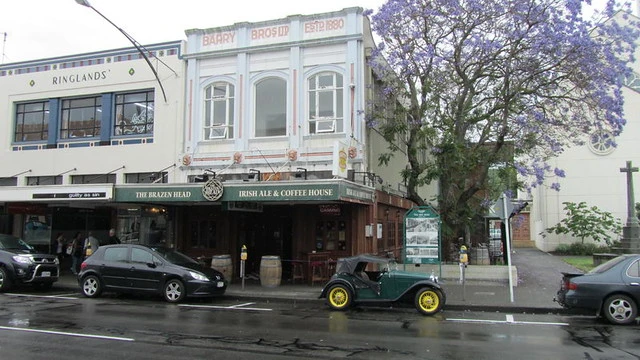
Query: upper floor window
x,y
32,121
271,107
81,117
218,111
44,180
94,179
325,103
134,113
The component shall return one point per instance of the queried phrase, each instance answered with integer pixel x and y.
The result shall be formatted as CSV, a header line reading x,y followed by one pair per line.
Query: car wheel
x,y
174,291
5,281
91,286
339,297
620,309
428,301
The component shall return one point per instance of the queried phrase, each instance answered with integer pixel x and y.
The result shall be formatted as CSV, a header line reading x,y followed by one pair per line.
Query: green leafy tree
x,y
583,222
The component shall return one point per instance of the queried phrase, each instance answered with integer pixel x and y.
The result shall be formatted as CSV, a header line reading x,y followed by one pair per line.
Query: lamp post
x,y
133,41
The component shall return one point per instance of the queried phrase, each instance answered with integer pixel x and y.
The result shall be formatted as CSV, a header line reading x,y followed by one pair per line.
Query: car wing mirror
x,y
151,265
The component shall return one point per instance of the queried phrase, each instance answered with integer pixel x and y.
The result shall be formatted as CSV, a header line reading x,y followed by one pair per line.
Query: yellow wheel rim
x,y
338,297
429,301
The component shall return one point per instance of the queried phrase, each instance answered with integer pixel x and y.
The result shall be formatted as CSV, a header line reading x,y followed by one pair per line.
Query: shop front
x,y
38,214
288,219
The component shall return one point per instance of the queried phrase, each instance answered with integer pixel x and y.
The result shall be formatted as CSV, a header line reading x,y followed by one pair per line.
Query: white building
x,y
74,127
592,174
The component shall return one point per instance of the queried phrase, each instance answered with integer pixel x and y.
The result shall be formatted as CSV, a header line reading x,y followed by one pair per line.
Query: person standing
x,y
113,239
76,255
60,245
91,244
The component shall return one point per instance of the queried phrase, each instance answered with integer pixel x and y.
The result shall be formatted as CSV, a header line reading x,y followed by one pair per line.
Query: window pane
x,y
81,117
326,104
312,105
134,113
218,111
634,269
31,121
271,103
141,256
326,80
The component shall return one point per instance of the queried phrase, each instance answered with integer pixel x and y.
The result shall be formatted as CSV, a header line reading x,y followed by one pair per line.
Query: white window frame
x,y
209,126
337,92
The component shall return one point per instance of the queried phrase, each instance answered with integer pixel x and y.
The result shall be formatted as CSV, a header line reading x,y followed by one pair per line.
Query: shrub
x,y
582,221
580,249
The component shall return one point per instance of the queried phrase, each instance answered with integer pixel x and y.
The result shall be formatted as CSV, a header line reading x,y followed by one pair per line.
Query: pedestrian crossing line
x,y
232,307
509,320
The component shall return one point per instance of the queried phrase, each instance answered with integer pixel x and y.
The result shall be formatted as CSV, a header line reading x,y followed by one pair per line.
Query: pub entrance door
x,y
265,234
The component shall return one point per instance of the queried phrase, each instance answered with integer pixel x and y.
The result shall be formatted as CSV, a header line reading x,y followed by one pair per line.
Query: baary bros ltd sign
x,y
241,192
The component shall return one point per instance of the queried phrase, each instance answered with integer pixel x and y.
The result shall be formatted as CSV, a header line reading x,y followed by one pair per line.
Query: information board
x,y
422,236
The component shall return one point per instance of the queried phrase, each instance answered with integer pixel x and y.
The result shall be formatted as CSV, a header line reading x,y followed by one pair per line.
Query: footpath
x,y
532,291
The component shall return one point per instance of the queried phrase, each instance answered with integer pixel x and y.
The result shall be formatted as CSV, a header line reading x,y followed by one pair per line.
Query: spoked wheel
x,y
174,291
428,301
620,309
91,286
339,297
5,281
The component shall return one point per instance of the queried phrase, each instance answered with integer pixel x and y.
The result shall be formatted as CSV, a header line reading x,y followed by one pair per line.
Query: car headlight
x,y
198,276
56,261
23,259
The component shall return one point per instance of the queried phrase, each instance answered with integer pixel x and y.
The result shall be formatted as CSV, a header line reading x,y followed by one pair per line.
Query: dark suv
x,y
21,264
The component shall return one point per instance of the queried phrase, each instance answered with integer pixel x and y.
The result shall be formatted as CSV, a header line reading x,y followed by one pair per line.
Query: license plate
x,y
46,273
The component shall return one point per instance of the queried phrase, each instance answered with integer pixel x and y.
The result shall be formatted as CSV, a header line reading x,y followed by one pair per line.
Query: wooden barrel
x,y
270,271
223,264
479,256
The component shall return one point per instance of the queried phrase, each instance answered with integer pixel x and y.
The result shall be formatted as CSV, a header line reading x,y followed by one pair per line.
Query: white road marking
x,y
510,320
239,305
484,293
67,333
45,296
232,307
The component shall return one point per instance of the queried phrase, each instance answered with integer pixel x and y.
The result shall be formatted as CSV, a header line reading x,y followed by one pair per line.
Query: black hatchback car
x,y
611,289
148,270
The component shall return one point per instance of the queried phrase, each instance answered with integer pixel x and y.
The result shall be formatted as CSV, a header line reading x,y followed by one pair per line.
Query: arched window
x,y
325,103
218,111
271,108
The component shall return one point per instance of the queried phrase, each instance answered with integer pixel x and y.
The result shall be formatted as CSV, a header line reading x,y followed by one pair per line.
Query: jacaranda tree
x,y
486,84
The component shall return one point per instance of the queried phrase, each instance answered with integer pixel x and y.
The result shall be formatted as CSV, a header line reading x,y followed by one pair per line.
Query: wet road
x,y
67,326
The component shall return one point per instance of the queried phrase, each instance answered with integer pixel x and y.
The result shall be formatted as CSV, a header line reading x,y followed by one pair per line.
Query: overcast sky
x,y
37,29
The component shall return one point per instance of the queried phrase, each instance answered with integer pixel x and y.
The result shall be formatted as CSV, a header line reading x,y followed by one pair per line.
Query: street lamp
x,y
134,42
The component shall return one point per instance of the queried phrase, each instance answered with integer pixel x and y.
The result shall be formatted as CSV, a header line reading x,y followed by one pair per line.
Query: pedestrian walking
x,y
91,244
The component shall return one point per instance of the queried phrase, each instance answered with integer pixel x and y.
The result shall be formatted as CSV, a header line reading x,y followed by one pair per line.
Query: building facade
x,y
75,127
251,135
274,115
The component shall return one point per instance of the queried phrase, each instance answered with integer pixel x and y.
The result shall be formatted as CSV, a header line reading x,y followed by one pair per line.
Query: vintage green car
x,y
374,280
